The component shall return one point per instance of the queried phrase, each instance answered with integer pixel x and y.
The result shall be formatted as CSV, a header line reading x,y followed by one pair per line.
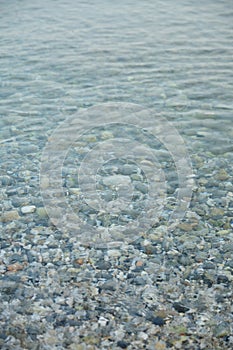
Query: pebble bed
x,y
159,290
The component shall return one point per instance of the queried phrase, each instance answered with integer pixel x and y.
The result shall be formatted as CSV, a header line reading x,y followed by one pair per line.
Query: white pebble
x,y
28,209
102,321
142,335
114,253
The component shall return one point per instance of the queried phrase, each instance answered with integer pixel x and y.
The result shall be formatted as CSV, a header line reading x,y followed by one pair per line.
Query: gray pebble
x,y
103,265
128,169
6,180
109,285
222,330
143,188
208,265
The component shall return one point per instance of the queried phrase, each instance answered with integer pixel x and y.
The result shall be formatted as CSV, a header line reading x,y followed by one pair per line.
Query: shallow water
x,y
62,56
59,57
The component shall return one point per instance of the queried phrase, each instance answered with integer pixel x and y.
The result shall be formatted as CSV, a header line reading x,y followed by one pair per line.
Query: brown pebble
x,y
139,263
15,267
160,345
79,261
222,175
9,216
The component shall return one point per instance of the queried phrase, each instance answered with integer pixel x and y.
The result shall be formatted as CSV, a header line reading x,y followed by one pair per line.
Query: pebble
x,y
117,180
2,269
142,335
79,261
5,180
11,191
180,307
139,263
123,344
114,253
128,169
187,226
160,345
222,279
15,267
222,330
228,247
222,175
109,285
208,265
103,321
143,188
139,281
158,321
41,212
10,216
103,265
107,135
217,213
28,209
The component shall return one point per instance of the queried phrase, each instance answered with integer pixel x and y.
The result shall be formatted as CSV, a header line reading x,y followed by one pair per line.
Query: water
x,y
59,57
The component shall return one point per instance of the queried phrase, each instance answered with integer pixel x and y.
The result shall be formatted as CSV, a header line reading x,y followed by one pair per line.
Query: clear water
x,y
60,56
